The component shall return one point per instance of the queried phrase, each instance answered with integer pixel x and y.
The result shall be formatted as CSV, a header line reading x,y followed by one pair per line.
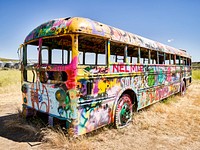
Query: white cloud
x,y
170,40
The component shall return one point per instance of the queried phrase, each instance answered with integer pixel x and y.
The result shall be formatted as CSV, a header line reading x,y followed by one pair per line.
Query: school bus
x,y
89,74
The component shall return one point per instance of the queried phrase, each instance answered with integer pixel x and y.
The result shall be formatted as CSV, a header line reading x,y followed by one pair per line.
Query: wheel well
x,y
132,95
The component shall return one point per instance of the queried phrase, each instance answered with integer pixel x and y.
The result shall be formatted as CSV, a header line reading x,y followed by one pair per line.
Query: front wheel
x,y
123,115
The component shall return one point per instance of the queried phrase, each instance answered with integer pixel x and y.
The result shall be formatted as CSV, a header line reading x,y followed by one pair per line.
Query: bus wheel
x,y
123,115
183,88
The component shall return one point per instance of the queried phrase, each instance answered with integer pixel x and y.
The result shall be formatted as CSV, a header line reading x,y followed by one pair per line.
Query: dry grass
x,y
58,139
172,124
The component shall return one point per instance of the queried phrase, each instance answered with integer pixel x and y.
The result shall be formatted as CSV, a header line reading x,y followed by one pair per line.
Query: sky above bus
x,y
172,22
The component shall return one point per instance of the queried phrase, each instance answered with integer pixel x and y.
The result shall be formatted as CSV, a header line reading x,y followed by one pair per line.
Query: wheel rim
x,y
123,112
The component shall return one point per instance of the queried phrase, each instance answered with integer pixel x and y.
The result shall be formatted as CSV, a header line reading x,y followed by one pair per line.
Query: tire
x,y
183,88
124,113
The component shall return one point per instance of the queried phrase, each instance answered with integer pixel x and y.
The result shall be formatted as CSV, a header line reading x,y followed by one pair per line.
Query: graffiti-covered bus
x,y
89,74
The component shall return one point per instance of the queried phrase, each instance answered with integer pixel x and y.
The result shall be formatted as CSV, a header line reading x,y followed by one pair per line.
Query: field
x,y
173,123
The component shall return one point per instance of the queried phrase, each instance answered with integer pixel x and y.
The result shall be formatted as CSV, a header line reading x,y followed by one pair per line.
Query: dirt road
x,y
172,124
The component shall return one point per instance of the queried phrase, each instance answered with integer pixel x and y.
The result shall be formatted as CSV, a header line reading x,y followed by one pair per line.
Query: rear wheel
x,y
183,88
123,115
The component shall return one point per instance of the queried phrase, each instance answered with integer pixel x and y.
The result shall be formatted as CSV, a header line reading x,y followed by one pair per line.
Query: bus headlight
x,y
24,88
60,95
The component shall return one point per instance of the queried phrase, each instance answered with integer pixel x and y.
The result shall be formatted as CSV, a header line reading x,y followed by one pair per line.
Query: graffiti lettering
x,y
93,116
126,68
126,82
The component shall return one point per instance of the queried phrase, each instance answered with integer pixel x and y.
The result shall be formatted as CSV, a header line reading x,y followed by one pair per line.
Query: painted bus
x,y
88,74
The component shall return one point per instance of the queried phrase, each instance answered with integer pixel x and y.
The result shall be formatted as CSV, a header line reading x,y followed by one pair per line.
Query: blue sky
x,y
172,22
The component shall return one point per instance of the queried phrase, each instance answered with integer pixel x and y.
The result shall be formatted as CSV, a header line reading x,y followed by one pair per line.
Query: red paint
x,y
71,70
127,68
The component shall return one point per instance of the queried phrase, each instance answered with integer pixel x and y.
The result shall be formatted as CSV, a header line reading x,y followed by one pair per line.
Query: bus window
x,y
91,50
132,55
120,58
181,60
188,61
90,58
80,58
132,60
117,50
172,59
116,58
144,55
184,61
60,56
177,60
161,58
153,57
101,59
56,56
167,59
32,54
112,59
45,56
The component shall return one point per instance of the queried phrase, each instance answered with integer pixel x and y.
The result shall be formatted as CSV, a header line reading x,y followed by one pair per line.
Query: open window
x,y
32,54
153,57
178,60
90,58
117,53
132,55
92,51
172,61
161,56
55,50
144,56
167,59
188,61
184,61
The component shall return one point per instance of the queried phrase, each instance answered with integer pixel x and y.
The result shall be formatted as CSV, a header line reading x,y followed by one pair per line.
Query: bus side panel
x,y
41,97
153,95
95,107
158,82
94,115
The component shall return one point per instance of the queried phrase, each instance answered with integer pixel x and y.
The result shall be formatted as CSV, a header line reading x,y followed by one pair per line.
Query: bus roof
x,y
63,26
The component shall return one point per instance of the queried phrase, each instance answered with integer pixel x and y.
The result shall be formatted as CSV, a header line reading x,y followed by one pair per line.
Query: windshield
x,y
47,59
53,51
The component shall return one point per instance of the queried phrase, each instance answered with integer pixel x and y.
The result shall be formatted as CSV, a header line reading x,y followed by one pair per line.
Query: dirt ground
x,y
171,124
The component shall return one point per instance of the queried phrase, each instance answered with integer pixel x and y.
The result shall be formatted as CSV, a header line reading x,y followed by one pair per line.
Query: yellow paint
x,y
101,87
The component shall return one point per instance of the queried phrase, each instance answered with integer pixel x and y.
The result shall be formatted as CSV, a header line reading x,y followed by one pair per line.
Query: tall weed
x,y
196,74
8,79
